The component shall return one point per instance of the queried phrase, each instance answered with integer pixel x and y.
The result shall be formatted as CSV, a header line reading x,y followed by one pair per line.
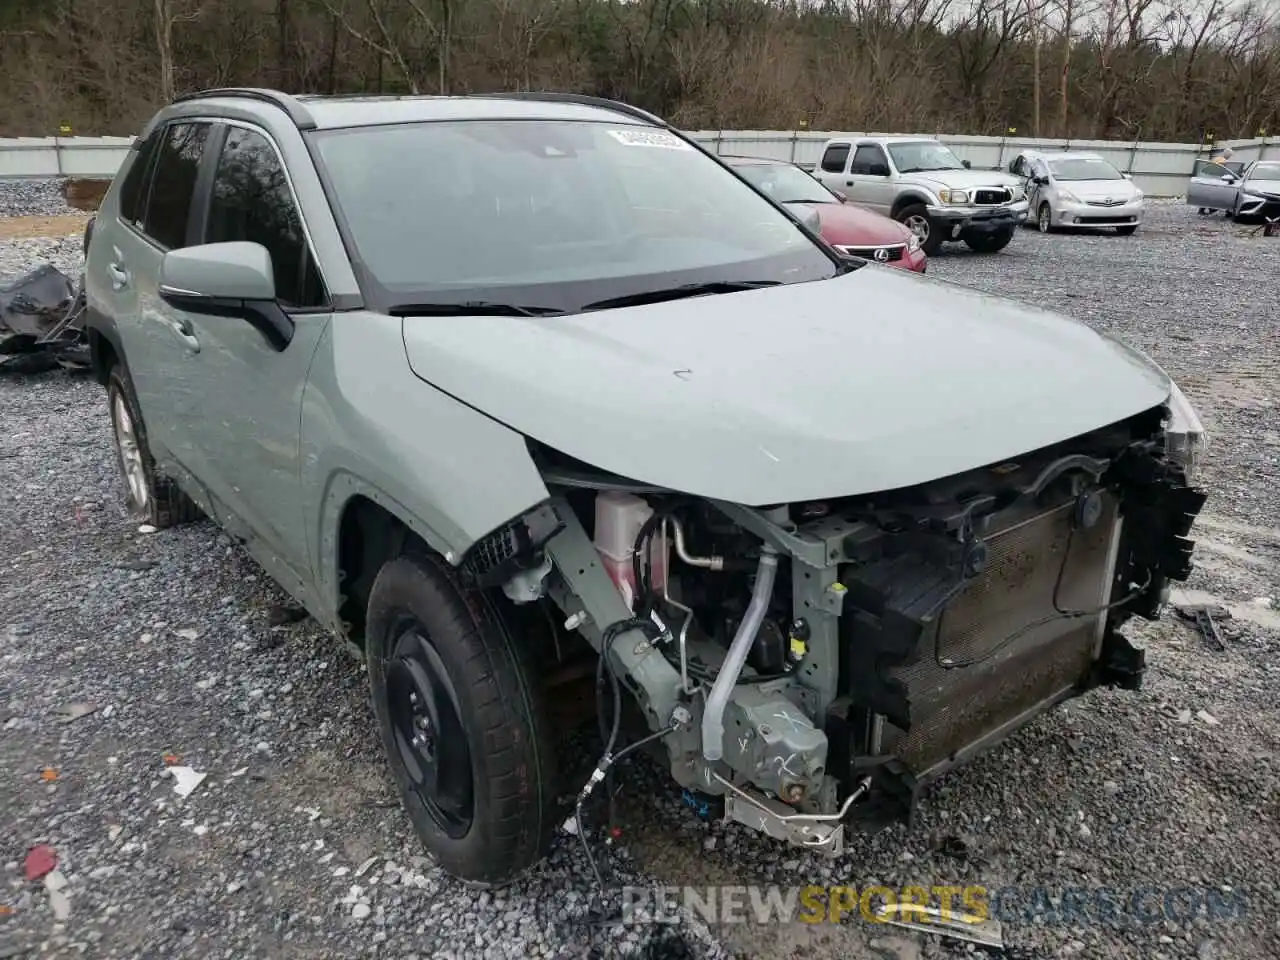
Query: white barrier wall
x,y
62,156
1160,169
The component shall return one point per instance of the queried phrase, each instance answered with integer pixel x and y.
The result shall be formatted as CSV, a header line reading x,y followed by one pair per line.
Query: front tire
x,y
915,218
149,496
992,242
1044,218
461,721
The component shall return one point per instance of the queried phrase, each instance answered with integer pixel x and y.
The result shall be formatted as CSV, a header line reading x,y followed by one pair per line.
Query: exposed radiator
x,y
1004,660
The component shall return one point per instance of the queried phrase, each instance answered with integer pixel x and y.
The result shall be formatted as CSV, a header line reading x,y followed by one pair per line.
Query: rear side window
x,y
252,201
168,207
134,188
834,158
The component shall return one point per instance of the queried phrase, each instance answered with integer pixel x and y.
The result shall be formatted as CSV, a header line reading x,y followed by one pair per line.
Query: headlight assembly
x,y
953,196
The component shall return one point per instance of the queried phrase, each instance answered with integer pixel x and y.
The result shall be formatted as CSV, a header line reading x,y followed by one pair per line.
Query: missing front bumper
x,y
937,669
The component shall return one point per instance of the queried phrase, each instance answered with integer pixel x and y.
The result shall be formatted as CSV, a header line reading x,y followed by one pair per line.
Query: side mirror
x,y
227,280
1042,181
966,164
1228,178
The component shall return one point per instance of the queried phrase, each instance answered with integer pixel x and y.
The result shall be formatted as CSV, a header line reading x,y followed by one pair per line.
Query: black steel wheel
x,y
461,719
427,727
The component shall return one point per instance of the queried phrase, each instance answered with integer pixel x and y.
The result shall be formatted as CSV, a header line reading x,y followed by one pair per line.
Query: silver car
x,y
1079,190
1241,190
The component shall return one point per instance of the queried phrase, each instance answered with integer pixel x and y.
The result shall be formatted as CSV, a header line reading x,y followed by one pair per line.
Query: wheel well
x,y
907,201
102,356
368,536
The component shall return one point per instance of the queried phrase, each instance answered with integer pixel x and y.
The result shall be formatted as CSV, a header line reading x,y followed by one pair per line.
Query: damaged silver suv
x,y
509,390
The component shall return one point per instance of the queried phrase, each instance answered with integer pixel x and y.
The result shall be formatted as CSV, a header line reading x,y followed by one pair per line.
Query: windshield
x,y
1265,171
1084,168
551,214
918,156
785,183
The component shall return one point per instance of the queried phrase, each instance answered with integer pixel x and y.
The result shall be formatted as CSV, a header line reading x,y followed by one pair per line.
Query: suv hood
x,y
873,380
965,178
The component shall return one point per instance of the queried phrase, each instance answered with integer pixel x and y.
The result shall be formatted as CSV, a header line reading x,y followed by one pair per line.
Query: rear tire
x,y
992,242
461,720
915,217
150,497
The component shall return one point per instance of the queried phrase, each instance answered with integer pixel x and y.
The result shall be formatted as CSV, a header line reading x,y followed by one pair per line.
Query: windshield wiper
x,y
680,293
471,308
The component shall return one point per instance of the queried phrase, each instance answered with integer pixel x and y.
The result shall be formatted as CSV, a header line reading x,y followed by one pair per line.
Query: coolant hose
x,y
727,678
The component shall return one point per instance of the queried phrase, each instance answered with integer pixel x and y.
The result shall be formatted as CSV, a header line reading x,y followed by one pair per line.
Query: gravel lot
x,y
294,845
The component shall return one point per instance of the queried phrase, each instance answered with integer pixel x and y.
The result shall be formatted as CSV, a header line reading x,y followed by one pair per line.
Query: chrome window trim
x,y
288,177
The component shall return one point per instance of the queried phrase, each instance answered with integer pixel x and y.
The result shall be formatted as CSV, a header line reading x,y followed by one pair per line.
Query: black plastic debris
x,y
42,314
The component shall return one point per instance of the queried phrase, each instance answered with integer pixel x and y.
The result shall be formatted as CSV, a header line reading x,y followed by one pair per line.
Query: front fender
x,y
369,427
915,194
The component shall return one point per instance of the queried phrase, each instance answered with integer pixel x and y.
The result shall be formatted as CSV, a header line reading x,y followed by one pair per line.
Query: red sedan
x,y
847,227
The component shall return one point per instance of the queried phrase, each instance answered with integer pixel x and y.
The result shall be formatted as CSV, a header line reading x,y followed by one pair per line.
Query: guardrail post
x,y
57,154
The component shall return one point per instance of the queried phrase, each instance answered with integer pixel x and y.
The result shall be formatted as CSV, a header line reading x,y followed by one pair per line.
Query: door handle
x,y
180,327
119,276
185,332
848,183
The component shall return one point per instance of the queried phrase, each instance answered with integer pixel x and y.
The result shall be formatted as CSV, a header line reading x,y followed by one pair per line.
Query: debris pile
x,y
43,313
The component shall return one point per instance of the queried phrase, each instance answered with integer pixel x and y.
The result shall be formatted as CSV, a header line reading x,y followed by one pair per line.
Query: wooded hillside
x,y
1149,69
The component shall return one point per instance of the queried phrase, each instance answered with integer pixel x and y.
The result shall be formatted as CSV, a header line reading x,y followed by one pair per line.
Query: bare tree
x,y
167,14
1165,69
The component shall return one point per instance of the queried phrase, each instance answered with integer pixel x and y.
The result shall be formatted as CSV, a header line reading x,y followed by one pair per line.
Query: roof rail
x,y
299,114
580,98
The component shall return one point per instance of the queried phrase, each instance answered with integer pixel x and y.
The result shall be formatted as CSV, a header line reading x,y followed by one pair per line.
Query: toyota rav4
x,y
511,389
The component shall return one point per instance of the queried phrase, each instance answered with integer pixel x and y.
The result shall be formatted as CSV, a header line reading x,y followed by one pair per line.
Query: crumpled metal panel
x,y
43,311
33,305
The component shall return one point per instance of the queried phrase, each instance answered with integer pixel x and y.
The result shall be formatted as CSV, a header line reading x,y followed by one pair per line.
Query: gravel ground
x,y
32,198
294,846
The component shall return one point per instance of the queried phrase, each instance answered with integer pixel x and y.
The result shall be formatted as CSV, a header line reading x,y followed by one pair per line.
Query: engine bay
x,y
803,661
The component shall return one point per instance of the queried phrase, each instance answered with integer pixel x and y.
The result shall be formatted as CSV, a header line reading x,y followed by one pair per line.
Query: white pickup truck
x,y
921,183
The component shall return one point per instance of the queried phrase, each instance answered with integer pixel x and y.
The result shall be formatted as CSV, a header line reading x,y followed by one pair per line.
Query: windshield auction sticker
x,y
649,138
